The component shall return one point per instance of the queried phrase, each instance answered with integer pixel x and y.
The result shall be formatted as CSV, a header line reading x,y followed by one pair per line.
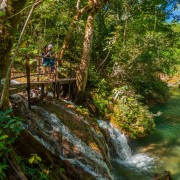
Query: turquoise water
x,y
163,145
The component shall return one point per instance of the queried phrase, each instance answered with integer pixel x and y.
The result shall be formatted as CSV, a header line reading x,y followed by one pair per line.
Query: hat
x,y
50,46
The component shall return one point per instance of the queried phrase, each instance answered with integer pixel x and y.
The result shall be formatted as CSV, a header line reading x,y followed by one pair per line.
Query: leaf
x,y
3,137
38,158
31,160
11,121
11,140
8,111
6,126
3,166
2,13
62,170
1,112
12,126
34,159
46,171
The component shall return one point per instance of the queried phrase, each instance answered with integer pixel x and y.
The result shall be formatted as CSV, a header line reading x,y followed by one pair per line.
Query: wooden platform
x,y
60,81
22,87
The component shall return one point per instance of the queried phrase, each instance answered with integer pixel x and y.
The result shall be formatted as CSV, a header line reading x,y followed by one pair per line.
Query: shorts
x,y
46,63
52,62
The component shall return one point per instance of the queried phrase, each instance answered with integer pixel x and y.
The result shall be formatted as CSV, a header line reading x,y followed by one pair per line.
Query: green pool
x,y
164,143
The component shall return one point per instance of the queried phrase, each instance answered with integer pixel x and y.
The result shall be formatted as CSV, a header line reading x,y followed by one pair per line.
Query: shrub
x,y
10,128
129,114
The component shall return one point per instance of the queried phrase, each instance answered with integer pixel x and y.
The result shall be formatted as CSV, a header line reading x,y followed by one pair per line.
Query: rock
x,y
64,138
166,175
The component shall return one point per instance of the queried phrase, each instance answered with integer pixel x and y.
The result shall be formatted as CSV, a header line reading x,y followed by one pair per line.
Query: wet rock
x,y
166,175
64,136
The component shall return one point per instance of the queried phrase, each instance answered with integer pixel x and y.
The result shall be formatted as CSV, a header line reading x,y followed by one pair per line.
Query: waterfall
x,y
49,130
51,123
121,151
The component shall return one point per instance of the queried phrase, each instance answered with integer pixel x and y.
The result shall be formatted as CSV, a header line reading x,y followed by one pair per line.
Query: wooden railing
x,y
56,82
38,73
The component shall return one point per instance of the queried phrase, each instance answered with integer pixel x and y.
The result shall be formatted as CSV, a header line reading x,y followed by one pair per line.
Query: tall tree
x,y
82,72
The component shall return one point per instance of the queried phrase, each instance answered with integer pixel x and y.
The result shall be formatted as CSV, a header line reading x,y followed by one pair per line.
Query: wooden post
x,y
38,68
70,74
58,90
55,77
54,89
42,91
28,81
57,66
69,90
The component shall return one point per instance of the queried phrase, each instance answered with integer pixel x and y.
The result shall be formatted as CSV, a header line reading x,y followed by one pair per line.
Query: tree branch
x,y
78,5
23,9
104,59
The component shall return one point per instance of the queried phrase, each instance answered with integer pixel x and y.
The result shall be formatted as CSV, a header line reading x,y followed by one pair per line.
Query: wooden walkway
x,y
33,80
22,87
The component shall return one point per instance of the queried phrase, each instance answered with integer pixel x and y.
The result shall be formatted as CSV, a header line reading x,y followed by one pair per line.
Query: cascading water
x,y
58,127
49,130
122,153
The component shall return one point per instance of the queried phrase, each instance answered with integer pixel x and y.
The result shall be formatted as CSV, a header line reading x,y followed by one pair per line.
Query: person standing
x,y
51,62
44,60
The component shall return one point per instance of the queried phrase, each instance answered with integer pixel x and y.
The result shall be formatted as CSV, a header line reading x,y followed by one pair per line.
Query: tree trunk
x,y
7,34
82,72
71,30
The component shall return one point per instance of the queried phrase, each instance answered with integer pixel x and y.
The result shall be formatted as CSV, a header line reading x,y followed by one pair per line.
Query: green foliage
x,y
153,90
35,173
35,169
10,125
129,114
142,58
100,96
35,159
82,110
41,172
124,108
3,167
2,13
10,128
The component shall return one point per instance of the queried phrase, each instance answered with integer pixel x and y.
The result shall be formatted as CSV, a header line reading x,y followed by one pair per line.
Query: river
x,y
163,145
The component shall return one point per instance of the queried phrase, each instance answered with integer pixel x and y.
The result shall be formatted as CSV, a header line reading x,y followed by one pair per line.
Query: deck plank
x,y
21,87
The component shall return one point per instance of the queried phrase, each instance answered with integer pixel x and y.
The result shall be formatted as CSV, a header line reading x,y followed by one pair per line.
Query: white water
x,y
51,121
49,130
122,153
84,157
14,82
